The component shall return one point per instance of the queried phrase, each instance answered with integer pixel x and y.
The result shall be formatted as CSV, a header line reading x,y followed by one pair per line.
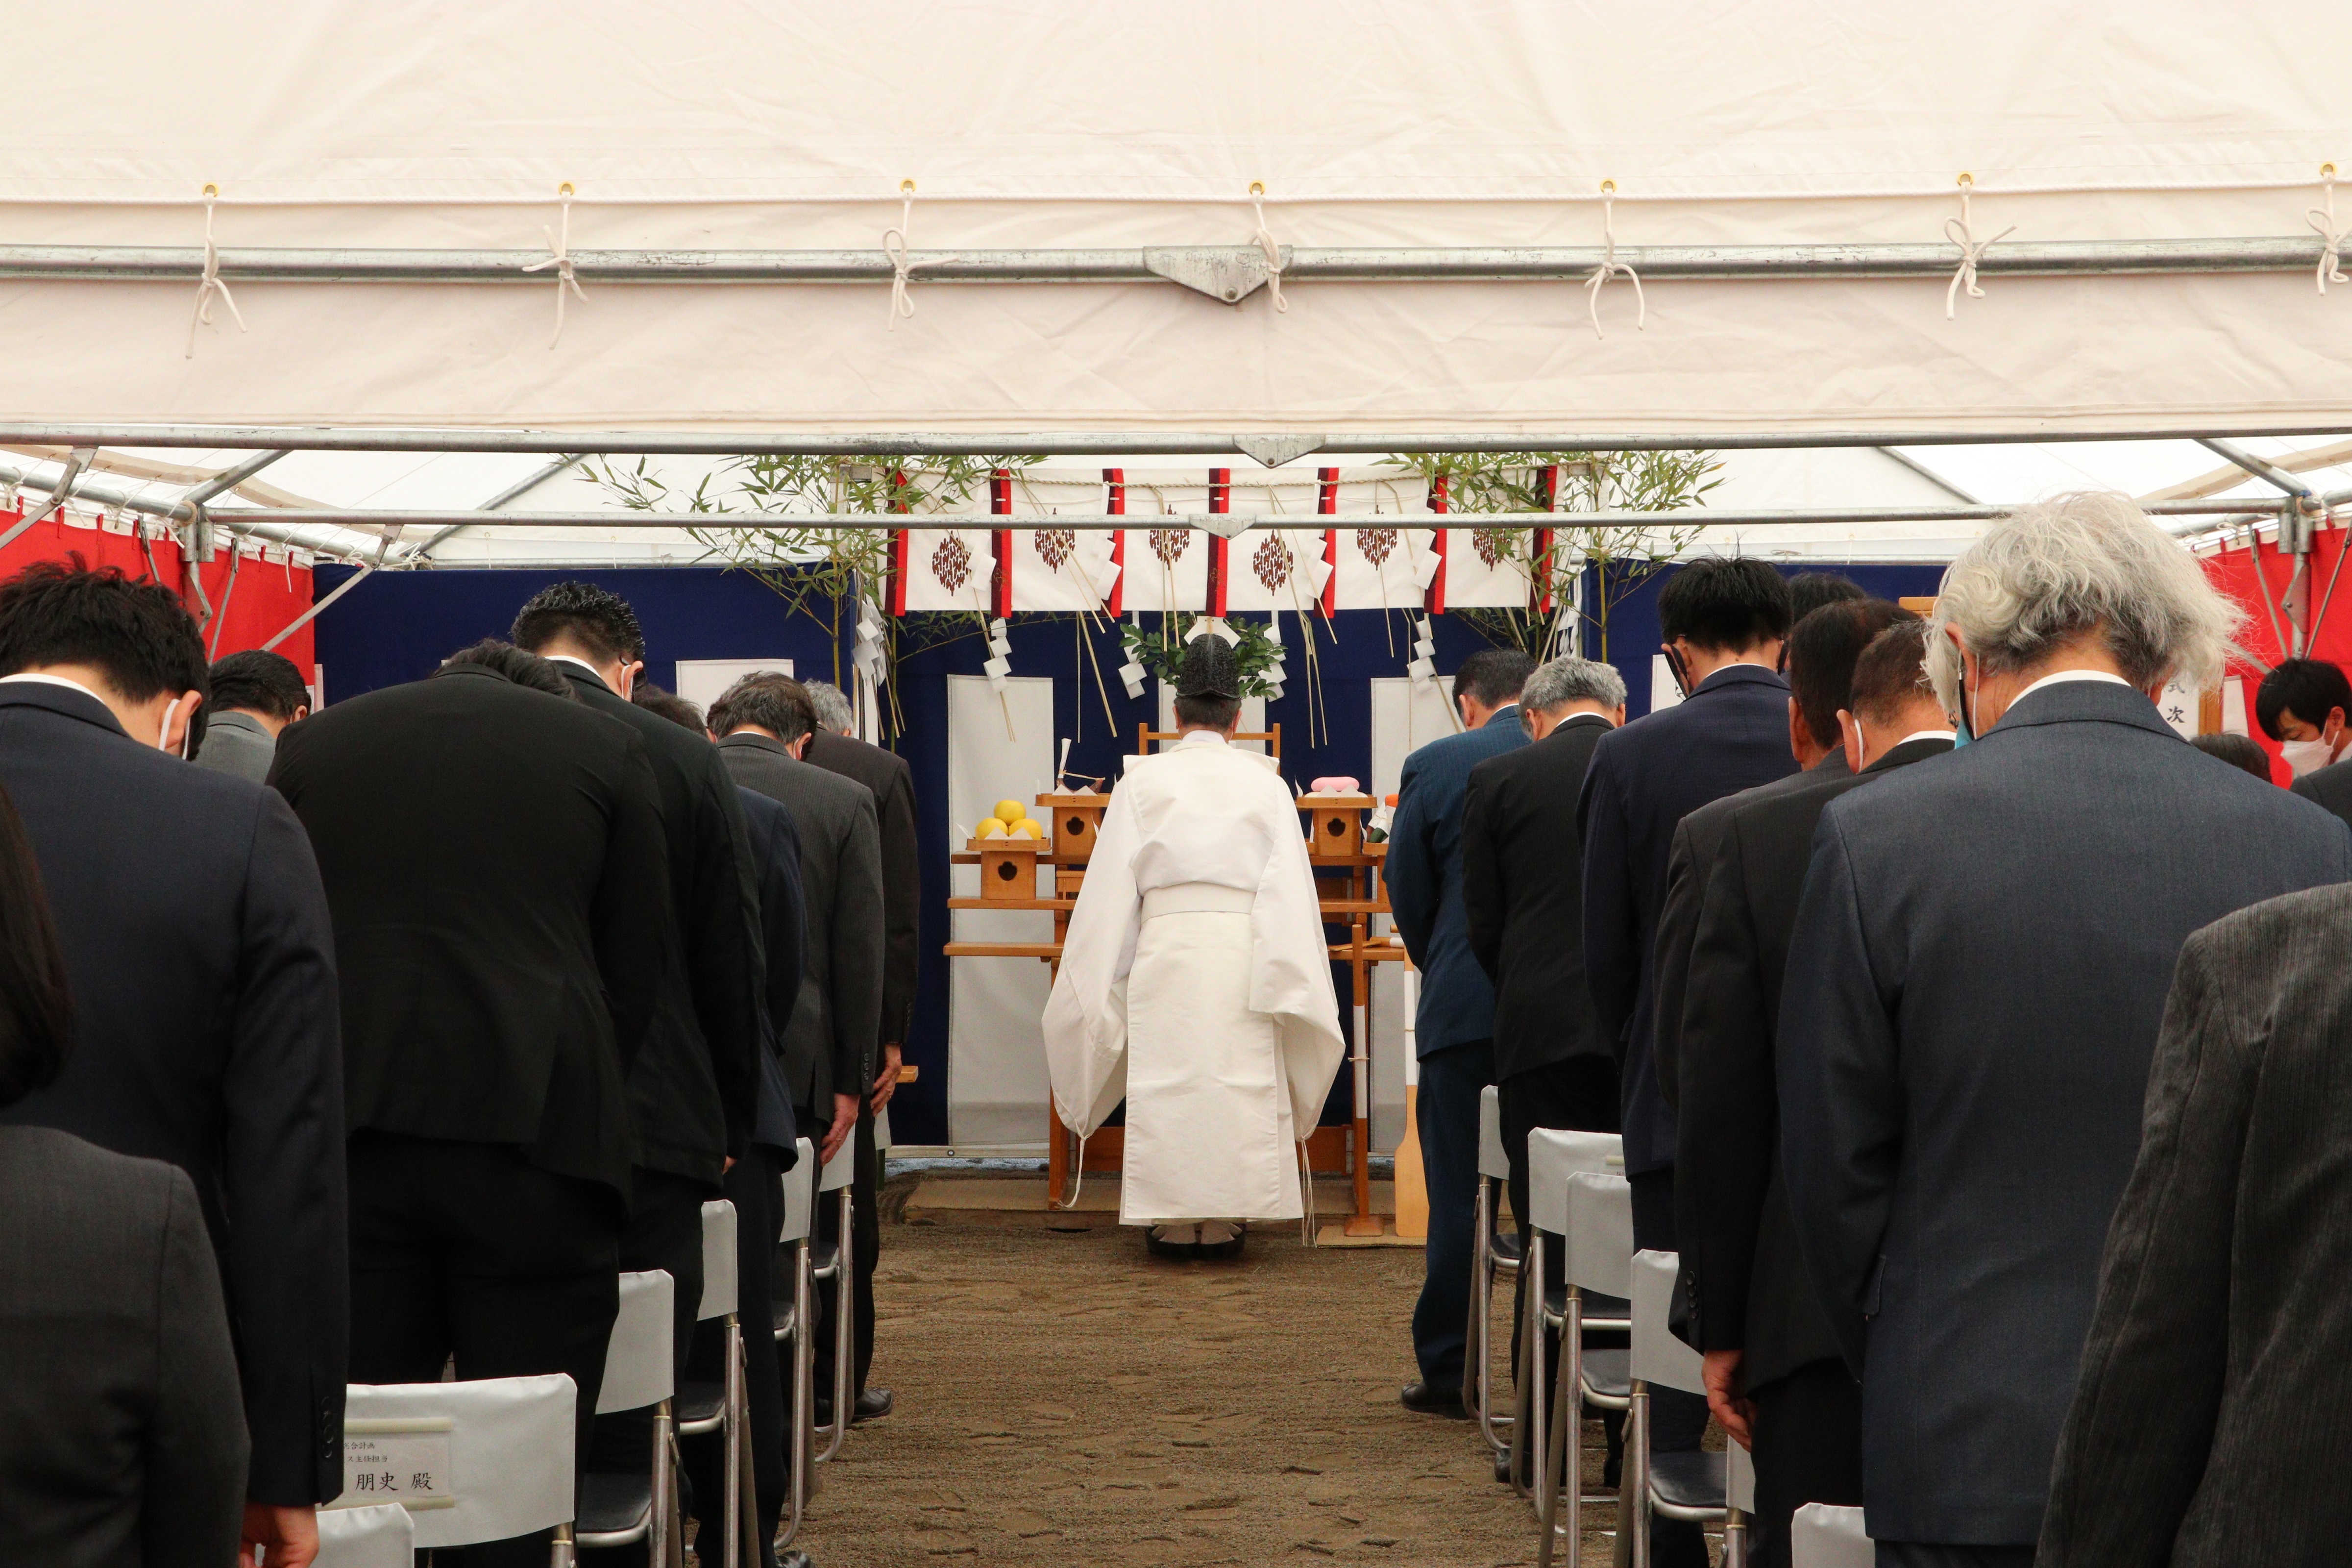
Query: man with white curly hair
x,y
1974,982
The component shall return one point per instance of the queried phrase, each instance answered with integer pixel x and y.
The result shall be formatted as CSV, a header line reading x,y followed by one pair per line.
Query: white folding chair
x,y
798,1211
497,1453
379,1536
1593,1213
835,1260
721,1406
1553,1155
1694,1485
1486,1259
1824,1535
640,1369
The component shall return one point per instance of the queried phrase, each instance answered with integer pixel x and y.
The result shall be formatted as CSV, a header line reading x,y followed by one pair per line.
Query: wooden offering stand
x,y
1336,847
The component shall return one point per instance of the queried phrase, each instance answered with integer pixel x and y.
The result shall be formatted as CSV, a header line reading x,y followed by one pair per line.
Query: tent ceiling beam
x,y
497,502
276,526
1060,443
1226,524
1224,272
2269,473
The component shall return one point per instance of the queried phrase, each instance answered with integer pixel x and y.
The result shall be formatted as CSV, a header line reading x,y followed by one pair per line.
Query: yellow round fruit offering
x,y
1011,811
990,827
1028,827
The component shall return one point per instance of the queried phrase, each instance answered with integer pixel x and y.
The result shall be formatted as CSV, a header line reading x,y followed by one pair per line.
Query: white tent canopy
x,y
778,130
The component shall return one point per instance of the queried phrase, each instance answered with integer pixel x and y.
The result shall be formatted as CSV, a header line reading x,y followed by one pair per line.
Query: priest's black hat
x,y
1209,669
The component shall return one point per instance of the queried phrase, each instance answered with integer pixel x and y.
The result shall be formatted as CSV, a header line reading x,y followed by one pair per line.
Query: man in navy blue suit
x,y
1454,1027
1724,622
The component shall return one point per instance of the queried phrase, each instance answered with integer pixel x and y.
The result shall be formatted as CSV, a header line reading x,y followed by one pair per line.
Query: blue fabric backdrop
x,y
396,626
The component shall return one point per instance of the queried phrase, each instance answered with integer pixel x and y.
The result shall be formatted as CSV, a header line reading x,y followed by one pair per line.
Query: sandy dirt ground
x,y
1065,1398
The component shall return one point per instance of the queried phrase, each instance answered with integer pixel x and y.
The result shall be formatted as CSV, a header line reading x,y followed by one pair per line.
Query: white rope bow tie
x,y
559,246
1972,250
210,284
894,246
1611,267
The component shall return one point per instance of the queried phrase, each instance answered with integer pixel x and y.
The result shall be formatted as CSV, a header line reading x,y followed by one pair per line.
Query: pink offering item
x,y
1338,785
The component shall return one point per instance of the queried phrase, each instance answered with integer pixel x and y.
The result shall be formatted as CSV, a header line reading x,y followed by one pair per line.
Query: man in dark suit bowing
x,y
198,946
693,1091
1773,1373
1975,981
493,855
1724,623
1818,661
832,747
1453,1029
1521,871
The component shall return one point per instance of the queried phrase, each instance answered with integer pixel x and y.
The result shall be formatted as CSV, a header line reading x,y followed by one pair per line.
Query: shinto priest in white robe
x,y
1195,981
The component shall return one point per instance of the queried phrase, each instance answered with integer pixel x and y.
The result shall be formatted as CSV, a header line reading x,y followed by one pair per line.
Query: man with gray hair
x,y
1522,878
1975,979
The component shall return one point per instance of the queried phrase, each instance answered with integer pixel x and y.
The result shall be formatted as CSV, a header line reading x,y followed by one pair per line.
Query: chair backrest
x,y
1553,1155
1597,1232
381,1535
842,1169
718,1259
1823,1536
641,1359
882,1131
1740,1477
494,1454
1493,1163
800,1195
1658,1357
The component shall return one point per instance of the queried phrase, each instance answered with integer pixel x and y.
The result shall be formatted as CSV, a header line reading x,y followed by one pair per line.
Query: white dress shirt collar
x,y
2065,674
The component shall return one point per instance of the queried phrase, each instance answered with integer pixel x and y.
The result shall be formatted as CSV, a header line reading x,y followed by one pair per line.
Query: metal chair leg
x,y
845,1301
1570,1415
1634,1513
803,1398
560,1553
1735,1539
1561,1454
1543,1414
1482,1302
664,1503
732,1428
1526,1393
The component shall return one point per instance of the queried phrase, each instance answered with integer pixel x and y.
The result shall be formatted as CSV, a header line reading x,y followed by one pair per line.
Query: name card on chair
x,y
406,1462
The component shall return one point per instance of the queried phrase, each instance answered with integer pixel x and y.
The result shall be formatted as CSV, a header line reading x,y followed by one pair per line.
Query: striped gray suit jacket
x,y
2210,1425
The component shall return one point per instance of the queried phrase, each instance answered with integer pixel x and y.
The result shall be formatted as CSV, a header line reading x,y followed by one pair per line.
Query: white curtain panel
x,y
999,746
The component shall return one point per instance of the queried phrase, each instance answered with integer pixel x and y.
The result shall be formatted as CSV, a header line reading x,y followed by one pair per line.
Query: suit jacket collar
x,y
1600,719
580,672
744,741
70,701
2083,702
1508,710
1740,675
1832,765
1909,751
244,723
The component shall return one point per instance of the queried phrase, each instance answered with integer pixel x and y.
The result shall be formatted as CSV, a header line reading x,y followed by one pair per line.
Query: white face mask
x,y
2306,756
165,729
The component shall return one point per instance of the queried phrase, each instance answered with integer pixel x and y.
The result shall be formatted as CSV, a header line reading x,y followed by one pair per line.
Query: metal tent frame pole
x,y
1227,272
1271,449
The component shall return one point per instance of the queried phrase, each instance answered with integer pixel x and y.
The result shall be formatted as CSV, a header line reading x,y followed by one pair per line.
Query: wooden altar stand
x,y
1337,849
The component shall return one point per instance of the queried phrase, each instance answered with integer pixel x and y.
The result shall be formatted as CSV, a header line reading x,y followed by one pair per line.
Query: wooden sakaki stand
x,y
1337,849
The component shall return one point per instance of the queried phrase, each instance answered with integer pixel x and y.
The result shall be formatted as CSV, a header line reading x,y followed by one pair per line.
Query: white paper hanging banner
x,y
1486,567
949,569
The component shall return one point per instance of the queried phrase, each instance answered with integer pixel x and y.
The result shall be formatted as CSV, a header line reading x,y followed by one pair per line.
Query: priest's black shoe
x,y
872,1406
1427,1401
1157,1241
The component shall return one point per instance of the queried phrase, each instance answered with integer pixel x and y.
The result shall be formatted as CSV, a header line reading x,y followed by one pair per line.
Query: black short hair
x,y
525,670
138,635
597,618
37,1020
1891,671
1217,712
1824,649
1494,675
1723,605
1809,591
668,704
2307,688
774,703
260,681
2238,750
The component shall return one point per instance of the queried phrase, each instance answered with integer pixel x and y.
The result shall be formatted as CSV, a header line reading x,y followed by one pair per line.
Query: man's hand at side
x,y
885,1082
845,1122
1727,1396
288,1536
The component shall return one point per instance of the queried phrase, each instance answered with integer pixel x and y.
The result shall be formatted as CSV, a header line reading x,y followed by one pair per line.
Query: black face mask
x,y
1680,671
